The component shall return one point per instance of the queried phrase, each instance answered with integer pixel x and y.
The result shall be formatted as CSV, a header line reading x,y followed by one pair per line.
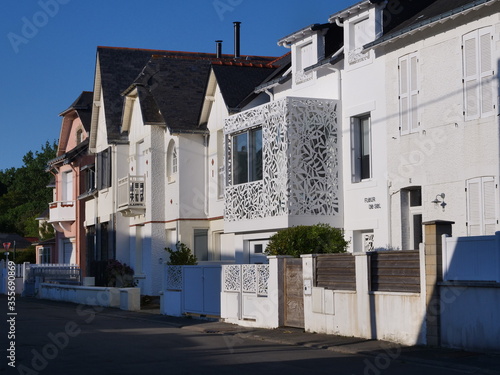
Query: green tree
x,y
181,256
24,193
303,239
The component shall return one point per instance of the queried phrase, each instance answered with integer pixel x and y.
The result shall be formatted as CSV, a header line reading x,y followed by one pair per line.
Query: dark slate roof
x,y
21,242
83,107
238,82
119,68
424,12
68,157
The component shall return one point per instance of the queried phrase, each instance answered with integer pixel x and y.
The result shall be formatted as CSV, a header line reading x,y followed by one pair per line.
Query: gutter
x,y
427,23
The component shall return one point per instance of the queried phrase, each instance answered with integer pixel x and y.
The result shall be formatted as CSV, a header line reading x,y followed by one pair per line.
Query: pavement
x,y
375,350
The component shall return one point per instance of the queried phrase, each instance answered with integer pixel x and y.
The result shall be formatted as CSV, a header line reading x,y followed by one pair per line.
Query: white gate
x,y
201,287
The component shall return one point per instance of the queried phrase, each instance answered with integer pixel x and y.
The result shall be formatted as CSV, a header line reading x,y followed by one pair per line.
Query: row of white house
x,y
381,118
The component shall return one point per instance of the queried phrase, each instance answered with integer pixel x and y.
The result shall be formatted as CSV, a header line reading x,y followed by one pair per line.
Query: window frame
x,y
409,90
478,84
172,162
254,172
358,150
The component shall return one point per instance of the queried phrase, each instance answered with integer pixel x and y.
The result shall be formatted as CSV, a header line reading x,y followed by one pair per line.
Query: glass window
x,y
247,156
361,148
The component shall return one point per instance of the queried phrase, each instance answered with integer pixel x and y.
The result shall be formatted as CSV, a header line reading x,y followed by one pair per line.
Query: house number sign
x,y
372,203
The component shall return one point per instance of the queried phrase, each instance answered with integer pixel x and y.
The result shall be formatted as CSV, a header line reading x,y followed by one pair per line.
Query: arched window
x,y
79,136
171,161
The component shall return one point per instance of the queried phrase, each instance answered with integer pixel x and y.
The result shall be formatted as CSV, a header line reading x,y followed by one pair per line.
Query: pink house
x,y
73,169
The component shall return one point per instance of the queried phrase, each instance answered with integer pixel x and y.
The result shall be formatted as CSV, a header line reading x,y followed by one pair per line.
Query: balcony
x,y
131,195
62,214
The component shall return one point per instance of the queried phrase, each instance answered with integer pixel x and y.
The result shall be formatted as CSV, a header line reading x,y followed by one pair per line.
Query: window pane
x,y
256,156
365,147
240,158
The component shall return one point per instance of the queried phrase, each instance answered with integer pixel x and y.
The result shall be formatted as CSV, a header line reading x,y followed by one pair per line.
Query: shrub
x,y
119,275
181,256
303,239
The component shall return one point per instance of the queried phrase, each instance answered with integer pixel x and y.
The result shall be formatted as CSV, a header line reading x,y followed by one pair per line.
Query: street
x,y
62,338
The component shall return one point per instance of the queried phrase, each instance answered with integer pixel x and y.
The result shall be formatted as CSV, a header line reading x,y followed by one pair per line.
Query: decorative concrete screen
x,y
301,160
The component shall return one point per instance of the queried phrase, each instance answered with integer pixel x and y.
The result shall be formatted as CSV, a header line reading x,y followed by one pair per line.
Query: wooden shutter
x,y
486,71
481,206
471,76
404,96
489,205
413,86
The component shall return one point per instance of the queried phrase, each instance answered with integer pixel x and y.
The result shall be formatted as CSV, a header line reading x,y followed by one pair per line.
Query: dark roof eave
x,y
324,62
401,33
269,85
190,131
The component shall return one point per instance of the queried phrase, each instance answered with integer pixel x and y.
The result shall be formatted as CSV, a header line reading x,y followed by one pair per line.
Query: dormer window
x,y
79,136
305,58
361,34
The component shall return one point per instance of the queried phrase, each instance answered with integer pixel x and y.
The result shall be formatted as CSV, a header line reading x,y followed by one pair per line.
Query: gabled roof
x,y
83,108
238,82
433,12
118,68
21,242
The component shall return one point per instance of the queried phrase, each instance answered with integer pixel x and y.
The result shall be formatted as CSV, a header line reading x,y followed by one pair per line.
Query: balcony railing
x,y
62,211
132,195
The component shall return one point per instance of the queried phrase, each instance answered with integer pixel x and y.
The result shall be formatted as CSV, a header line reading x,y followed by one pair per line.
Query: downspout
x,y
271,95
206,173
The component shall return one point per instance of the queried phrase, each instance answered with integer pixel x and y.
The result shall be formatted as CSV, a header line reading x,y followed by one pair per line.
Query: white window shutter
x,y
471,76
413,85
489,205
404,96
486,72
474,207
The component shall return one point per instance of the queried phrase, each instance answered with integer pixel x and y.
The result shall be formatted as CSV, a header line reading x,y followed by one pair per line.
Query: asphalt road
x,y
61,338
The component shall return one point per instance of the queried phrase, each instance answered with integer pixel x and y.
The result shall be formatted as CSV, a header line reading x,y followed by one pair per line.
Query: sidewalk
x,y
379,353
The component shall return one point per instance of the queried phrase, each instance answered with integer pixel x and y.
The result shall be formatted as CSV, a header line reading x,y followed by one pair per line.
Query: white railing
x,y
62,211
246,278
131,191
473,258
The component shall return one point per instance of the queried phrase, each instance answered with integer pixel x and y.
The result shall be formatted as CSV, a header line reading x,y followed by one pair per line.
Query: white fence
x,y
475,258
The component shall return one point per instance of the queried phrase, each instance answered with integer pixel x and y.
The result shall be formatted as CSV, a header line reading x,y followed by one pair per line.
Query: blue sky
x,y
48,48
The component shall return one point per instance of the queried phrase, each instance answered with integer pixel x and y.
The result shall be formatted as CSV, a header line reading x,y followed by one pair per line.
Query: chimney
x,y
237,39
219,48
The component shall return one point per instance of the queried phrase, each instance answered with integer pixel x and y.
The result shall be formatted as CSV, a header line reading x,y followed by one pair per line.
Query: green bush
x,y
181,256
303,239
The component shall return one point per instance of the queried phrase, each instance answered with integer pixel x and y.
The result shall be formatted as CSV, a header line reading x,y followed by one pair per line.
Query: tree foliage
x,y
304,239
24,193
181,256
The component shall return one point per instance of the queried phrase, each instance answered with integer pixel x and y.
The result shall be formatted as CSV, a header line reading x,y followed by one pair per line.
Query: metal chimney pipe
x,y
237,39
219,48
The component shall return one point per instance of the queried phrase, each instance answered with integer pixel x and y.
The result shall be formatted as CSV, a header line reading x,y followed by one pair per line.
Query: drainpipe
x,y
206,173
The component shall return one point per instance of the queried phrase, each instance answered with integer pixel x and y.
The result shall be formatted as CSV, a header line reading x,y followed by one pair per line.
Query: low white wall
x,y
390,316
469,316
171,302
124,298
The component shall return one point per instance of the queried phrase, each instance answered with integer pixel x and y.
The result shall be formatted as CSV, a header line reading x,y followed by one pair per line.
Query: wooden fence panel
x,y
336,271
395,271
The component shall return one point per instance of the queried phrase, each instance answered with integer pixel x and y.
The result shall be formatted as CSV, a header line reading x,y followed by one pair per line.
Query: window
x,y
220,164
361,148
408,94
79,136
171,161
104,169
67,186
481,206
44,255
360,34
88,173
247,156
478,74
201,244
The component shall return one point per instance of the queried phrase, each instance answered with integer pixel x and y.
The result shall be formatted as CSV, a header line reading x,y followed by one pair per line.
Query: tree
x,y
24,193
303,239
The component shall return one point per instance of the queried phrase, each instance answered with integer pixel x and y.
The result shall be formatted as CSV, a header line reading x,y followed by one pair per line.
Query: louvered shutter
x,y
474,207
413,101
489,205
404,96
486,71
471,76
